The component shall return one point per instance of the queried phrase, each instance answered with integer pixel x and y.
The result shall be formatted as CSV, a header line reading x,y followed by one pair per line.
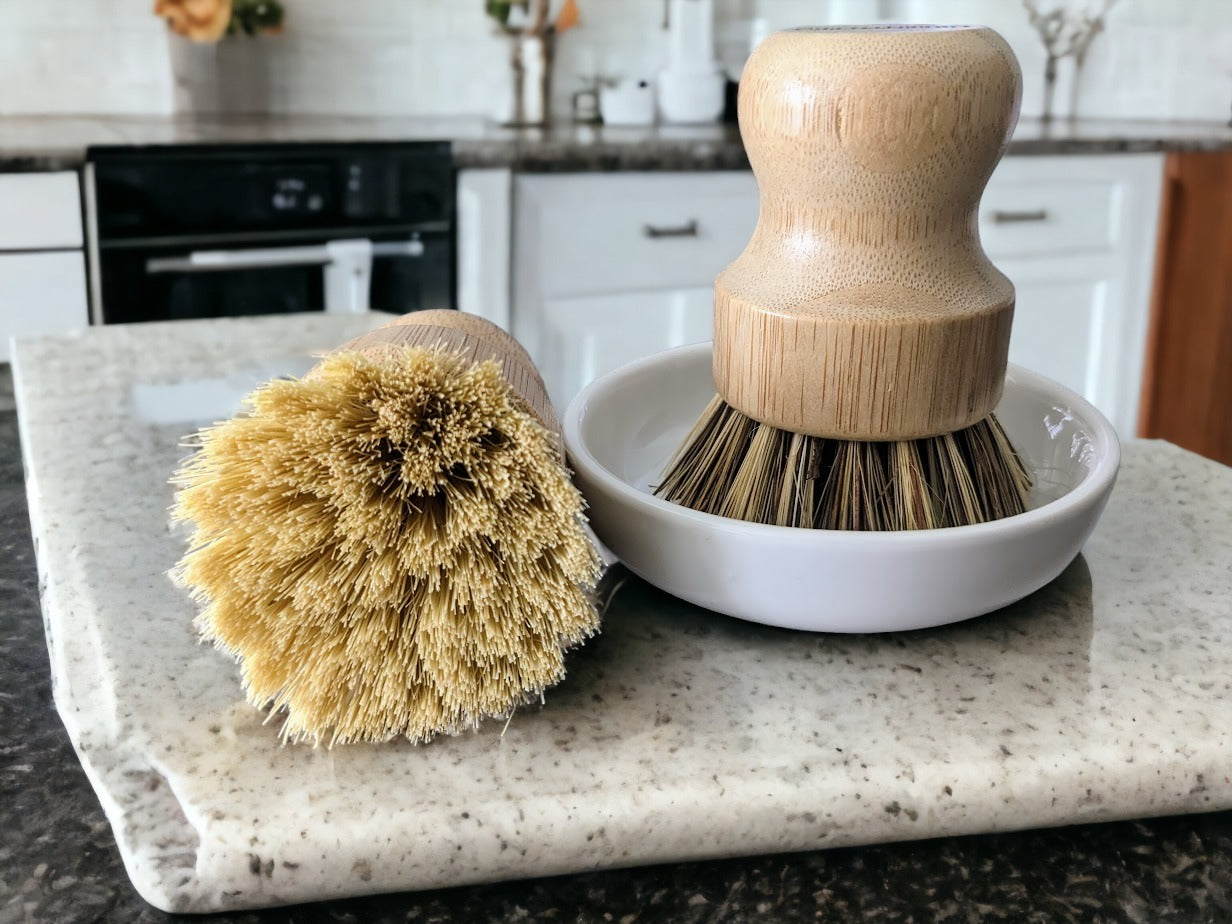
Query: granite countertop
x,y
59,142
59,861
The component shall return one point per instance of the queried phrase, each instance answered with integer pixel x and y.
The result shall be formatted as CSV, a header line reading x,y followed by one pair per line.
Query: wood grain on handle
x,y
864,307
473,337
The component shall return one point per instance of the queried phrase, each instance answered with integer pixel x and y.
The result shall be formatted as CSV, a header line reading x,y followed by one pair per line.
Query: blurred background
x,y
1155,59
572,170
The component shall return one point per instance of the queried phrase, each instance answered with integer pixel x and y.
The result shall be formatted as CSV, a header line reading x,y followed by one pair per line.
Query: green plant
x,y
252,17
533,21
500,9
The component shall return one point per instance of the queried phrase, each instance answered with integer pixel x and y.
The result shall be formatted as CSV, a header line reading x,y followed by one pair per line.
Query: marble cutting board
x,y
678,733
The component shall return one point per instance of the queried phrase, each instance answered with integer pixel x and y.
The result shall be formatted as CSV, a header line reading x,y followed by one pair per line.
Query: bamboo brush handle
x,y
864,307
474,338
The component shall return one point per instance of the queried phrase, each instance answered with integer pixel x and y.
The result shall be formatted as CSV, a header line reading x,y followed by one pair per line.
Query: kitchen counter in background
x,y
59,142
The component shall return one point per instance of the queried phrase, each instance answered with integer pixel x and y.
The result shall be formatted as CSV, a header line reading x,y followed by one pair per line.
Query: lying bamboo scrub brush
x,y
861,337
391,546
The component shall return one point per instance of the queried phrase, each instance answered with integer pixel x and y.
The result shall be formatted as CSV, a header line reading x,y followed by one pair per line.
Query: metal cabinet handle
x,y
685,230
1010,218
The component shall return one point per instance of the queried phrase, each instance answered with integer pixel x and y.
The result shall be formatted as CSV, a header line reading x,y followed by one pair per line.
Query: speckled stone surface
x,y
677,734
59,142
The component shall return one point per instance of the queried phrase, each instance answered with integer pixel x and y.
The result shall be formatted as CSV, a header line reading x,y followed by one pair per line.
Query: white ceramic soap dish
x,y
622,428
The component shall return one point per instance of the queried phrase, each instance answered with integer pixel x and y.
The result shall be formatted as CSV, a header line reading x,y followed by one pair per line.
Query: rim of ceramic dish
x,y
1097,481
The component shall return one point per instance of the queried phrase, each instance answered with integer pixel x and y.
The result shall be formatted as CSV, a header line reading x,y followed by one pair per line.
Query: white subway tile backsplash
x,y
1157,59
126,14
83,68
392,77
419,18
787,14
637,16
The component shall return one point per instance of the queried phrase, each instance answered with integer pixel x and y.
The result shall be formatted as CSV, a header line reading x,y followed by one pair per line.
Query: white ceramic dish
x,y
623,427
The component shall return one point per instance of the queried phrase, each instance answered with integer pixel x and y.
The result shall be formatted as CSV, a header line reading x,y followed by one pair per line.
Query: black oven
x,y
202,231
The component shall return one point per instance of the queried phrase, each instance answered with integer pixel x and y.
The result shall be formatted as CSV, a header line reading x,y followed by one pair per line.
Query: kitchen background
x,y
353,160
597,244
1156,59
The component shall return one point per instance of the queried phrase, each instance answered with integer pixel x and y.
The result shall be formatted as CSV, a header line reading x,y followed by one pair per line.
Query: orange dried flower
x,y
199,20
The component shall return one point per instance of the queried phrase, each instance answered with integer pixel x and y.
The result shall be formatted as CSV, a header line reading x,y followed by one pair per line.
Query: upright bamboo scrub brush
x,y
861,337
391,546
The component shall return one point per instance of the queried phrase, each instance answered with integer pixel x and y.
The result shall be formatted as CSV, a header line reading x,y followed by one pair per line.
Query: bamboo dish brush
x,y
861,338
391,545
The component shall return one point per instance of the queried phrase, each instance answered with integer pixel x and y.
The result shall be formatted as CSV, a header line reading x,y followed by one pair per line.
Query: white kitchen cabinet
x,y
485,204
608,268
611,267
1064,315
1076,234
581,338
41,293
42,267
40,211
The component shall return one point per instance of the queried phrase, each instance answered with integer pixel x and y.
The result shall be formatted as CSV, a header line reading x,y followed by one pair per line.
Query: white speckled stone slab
x,y
678,734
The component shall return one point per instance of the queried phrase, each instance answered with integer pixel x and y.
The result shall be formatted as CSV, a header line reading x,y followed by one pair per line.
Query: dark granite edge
x,y
580,148
1041,147
42,161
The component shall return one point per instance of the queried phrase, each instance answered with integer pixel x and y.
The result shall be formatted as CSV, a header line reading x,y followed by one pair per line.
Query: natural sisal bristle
x,y
390,547
733,466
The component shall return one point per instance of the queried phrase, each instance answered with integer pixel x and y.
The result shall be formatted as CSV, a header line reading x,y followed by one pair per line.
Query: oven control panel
x,y
281,188
297,195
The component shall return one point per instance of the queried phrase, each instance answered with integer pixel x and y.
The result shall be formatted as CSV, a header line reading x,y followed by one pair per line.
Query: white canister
x,y
691,38
628,102
692,96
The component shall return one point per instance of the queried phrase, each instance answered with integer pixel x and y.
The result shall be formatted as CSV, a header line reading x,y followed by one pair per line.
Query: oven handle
x,y
347,264
208,261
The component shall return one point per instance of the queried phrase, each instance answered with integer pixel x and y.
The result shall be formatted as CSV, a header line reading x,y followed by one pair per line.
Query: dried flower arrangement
x,y
533,30
535,13
210,20
1065,34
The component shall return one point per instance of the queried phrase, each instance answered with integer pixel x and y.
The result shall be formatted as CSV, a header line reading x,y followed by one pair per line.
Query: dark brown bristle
x,y
733,466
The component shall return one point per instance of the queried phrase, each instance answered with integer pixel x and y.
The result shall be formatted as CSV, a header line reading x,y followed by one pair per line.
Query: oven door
x,y
163,281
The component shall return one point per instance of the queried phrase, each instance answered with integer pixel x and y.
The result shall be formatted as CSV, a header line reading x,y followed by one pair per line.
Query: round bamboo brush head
x,y
391,546
861,337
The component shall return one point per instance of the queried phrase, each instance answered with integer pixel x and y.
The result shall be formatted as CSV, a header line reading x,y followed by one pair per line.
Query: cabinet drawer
x,y
1055,217
41,293
39,211
585,235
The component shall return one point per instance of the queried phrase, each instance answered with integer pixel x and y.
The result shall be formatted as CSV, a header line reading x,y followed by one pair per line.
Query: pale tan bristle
x,y
389,547
732,466
754,486
787,510
913,508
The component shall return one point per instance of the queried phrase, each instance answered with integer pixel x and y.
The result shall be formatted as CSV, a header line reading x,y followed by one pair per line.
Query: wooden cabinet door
x,y
1187,394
